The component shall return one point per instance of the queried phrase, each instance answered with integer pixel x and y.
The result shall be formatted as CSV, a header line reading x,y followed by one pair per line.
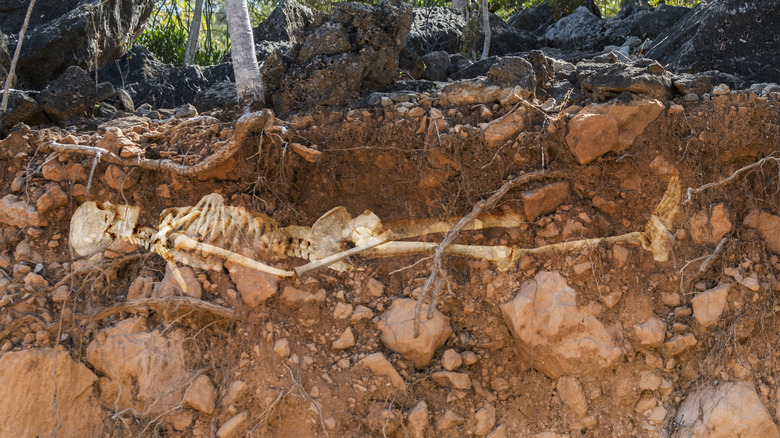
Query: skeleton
x,y
211,233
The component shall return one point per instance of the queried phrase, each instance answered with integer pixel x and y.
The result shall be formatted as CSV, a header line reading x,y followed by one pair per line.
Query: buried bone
x,y
211,233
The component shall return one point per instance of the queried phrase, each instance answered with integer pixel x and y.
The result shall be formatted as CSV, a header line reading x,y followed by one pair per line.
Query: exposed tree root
x,y
248,124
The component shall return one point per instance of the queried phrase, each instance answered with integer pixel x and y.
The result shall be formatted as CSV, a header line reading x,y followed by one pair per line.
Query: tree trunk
x,y
486,26
192,39
248,80
10,80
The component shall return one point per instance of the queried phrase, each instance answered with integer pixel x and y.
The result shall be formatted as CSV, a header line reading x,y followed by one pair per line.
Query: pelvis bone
x,y
211,233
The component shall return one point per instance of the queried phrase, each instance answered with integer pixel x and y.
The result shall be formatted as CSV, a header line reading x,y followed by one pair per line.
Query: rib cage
x,y
233,228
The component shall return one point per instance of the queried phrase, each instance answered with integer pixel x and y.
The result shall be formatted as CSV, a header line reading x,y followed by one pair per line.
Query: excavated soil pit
x,y
616,345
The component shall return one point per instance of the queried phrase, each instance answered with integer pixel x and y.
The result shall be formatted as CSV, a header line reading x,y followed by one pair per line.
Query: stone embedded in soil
x,y
361,313
375,288
709,305
559,338
202,395
29,393
572,395
234,426
345,341
505,128
282,347
451,360
649,381
485,420
609,127
397,327
121,178
148,366
170,286
651,333
417,420
499,432
708,228
378,364
234,392
452,379
14,211
679,343
140,288
448,420
545,199
724,410
52,199
766,224
254,287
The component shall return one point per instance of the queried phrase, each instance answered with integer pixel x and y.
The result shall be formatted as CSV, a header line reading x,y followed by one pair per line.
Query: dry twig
x,y
437,271
759,163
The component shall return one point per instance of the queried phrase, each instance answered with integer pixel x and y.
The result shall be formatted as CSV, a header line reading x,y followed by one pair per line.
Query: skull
x,y
95,225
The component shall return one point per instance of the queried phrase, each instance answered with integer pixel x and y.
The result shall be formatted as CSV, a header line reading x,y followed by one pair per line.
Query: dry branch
x,y
480,206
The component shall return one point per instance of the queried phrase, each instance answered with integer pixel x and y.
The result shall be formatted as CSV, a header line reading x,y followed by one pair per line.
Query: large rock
x,y
644,76
506,39
16,212
481,90
610,127
557,337
435,29
724,410
578,31
533,19
34,382
732,36
376,36
397,327
63,33
144,370
70,96
22,108
644,22
288,22
768,225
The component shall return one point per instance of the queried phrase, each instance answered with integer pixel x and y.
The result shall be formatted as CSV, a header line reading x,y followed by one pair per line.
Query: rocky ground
x,y
596,340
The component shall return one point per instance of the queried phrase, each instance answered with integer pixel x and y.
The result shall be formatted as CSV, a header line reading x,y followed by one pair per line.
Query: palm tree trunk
x,y
248,80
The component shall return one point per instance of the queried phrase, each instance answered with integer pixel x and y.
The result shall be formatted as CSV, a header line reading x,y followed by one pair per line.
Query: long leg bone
x,y
656,237
210,230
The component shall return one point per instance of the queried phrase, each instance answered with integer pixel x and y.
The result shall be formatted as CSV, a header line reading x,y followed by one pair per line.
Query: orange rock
x,y
609,127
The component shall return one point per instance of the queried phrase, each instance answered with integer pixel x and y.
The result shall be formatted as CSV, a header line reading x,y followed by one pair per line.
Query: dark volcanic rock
x,y
578,31
147,80
644,23
436,65
22,108
376,35
644,76
513,70
479,68
70,96
732,36
329,39
288,22
435,28
505,39
686,83
63,33
534,19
